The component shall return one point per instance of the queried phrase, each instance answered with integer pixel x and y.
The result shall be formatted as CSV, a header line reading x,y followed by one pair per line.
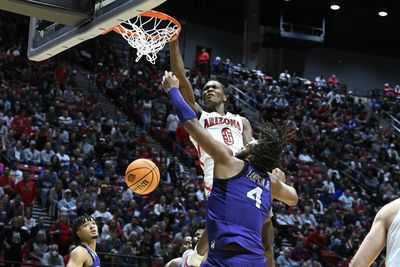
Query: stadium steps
x,y
109,107
38,211
251,114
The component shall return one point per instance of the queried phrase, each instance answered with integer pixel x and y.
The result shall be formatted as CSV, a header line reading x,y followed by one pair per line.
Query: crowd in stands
x,y
60,150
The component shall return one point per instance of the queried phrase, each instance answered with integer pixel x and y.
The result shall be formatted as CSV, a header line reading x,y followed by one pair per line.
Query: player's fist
x,y
279,174
169,80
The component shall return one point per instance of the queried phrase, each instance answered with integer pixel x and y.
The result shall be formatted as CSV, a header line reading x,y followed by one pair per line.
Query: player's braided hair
x,y
75,227
270,146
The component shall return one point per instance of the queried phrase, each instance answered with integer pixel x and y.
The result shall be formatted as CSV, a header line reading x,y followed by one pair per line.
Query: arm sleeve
x,y
183,110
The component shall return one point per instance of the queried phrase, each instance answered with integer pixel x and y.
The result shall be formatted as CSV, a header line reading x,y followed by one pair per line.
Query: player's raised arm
x,y
282,191
217,150
373,243
178,68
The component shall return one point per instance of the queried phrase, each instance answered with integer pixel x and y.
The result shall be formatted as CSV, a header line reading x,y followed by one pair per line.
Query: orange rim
x,y
155,14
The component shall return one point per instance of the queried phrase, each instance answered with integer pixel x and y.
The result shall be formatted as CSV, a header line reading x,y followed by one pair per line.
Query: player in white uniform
x,y
385,230
227,129
233,130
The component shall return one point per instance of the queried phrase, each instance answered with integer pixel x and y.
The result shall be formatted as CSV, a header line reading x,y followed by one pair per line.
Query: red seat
x,y
36,169
317,169
23,167
318,176
304,167
303,173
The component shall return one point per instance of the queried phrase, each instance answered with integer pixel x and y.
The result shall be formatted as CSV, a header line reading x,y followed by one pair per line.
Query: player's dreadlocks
x,y
75,227
270,147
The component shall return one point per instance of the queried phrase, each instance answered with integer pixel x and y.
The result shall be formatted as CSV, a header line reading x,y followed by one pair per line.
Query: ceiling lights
x,y
335,6
382,12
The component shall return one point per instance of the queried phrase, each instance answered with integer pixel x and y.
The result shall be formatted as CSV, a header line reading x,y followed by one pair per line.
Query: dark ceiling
x,y
356,26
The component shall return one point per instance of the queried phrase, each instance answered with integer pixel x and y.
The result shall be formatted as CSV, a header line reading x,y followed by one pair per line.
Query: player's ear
x,y
79,234
225,98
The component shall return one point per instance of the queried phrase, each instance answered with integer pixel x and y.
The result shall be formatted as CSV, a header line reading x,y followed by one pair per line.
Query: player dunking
x,y
242,189
385,230
84,234
233,130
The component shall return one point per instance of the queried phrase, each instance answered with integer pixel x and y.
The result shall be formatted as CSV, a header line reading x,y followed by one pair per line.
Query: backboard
x,y
50,39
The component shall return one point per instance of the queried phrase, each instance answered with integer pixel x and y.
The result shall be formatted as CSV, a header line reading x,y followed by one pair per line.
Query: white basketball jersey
x,y
227,129
393,243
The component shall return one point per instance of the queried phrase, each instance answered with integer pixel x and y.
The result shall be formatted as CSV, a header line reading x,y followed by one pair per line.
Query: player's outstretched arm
x,y
77,257
178,68
373,243
247,131
282,191
218,151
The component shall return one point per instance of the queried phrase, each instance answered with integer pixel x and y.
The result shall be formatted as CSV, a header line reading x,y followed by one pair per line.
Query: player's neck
x,y
220,109
91,244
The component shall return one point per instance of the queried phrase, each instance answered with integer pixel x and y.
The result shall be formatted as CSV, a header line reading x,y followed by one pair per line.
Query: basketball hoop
x,y
148,33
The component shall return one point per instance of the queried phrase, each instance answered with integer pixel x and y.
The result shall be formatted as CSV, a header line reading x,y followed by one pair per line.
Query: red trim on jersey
x,y
199,155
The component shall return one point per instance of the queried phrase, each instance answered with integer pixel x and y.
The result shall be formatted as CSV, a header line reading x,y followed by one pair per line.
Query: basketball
x,y
142,176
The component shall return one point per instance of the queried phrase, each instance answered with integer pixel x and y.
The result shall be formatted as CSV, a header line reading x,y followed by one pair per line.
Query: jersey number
x,y
227,136
255,194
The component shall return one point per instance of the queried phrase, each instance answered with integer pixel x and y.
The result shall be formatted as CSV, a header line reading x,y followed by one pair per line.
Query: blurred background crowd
x,y
71,125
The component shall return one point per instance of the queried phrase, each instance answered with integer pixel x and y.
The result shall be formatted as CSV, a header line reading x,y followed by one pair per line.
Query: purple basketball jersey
x,y
237,209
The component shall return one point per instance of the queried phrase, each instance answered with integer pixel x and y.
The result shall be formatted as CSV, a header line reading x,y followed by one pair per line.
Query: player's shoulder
x,y
388,212
79,251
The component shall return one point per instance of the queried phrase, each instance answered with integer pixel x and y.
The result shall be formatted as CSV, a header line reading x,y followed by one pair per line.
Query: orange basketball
x,y
142,176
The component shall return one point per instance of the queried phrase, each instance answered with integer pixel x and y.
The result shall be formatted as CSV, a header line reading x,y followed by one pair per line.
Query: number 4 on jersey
x,y
255,194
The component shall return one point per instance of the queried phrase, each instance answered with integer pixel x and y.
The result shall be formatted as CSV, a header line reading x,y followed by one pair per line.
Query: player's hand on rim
x,y
169,81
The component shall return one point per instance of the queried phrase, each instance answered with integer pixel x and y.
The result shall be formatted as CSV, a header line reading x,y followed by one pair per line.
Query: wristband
x,y
194,258
183,110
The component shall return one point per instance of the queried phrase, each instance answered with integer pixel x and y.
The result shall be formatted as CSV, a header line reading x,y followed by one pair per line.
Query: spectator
x,y
7,183
67,204
16,153
60,233
39,227
305,157
333,81
63,157
172,125
299,253
65,119
320,81
39,247
29,222
203,60
53,258
307,216
46,181
177,206
131,227
17,206
15,240
146,113
15,174
31,155
27,189
55,196
284,260
46,154
284,77
101,212
347,200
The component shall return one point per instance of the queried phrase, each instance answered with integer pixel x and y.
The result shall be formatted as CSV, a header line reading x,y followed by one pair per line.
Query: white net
x,y
148,35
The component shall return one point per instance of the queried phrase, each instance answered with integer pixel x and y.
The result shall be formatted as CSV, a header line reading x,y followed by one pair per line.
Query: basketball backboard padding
x,y
60,11
59,38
